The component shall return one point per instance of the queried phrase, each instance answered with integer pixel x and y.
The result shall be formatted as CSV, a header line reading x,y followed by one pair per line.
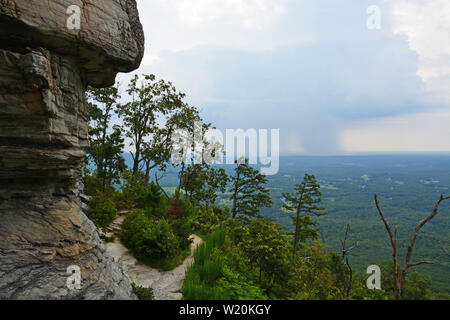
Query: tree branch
x,y
386,224
420,263
418,228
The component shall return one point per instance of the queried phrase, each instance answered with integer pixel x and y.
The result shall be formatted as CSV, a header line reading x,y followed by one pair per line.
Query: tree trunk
x,y
136,165
147,172
180,182
297,226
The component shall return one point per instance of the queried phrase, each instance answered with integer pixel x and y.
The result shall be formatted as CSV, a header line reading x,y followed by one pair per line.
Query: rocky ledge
x,y
45,68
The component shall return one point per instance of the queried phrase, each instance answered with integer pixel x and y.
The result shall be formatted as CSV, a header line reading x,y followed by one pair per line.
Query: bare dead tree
x,y
400,278
345,254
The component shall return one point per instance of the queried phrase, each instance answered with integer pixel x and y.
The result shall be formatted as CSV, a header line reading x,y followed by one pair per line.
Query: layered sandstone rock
x,y
44,70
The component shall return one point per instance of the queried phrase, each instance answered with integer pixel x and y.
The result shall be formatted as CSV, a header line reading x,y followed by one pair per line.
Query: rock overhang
x,y
110,38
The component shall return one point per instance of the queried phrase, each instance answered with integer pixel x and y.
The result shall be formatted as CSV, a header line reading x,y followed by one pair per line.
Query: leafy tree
x,y
266,247
304,202
216,181
158,151
185,140
313,278
248,191
107,142
150,100
203,182
207,221
194,154
235,286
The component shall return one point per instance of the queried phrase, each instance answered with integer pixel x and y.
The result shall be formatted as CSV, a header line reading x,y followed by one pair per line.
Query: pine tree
x,y
248,191
305,203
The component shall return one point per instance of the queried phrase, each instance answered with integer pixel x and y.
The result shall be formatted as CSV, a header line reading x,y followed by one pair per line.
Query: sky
x,y
311,68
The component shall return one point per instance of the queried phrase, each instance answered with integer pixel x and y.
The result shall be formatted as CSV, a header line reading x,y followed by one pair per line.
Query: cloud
x,y
426,25
176,25
251,14
419,132
293,90
309,68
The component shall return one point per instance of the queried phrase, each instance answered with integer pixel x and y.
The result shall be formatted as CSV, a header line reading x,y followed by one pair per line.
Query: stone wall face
x,y
43,130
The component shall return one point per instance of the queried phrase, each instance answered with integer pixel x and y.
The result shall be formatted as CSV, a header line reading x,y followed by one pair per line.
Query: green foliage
x,y
248,191
207,219
406,191
266,247
92,184
234,286
304,202
201,276
105,149
202,183
133,226
313,277
149,240
143,293
417,287
137,193
247,258
151,99
236,230
158,242
102,211
179,215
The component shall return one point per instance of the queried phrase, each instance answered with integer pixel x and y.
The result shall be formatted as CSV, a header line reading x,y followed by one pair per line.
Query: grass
x,y
206,269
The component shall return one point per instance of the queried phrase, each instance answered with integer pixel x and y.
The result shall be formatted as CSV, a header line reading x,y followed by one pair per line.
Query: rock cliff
x,y
45,67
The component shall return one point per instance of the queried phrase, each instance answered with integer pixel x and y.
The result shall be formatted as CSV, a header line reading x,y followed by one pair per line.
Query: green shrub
x,y
143,293
207,220
123,200
182,230
133,226
103,211
157,242
147,239
234,286
92,185
151,198
137,194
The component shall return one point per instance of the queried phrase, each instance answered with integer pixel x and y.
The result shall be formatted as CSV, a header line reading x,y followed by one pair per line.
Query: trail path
x,y
166,285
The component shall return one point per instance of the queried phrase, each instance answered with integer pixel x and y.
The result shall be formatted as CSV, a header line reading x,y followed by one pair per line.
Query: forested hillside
x,y
408,187
309,232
